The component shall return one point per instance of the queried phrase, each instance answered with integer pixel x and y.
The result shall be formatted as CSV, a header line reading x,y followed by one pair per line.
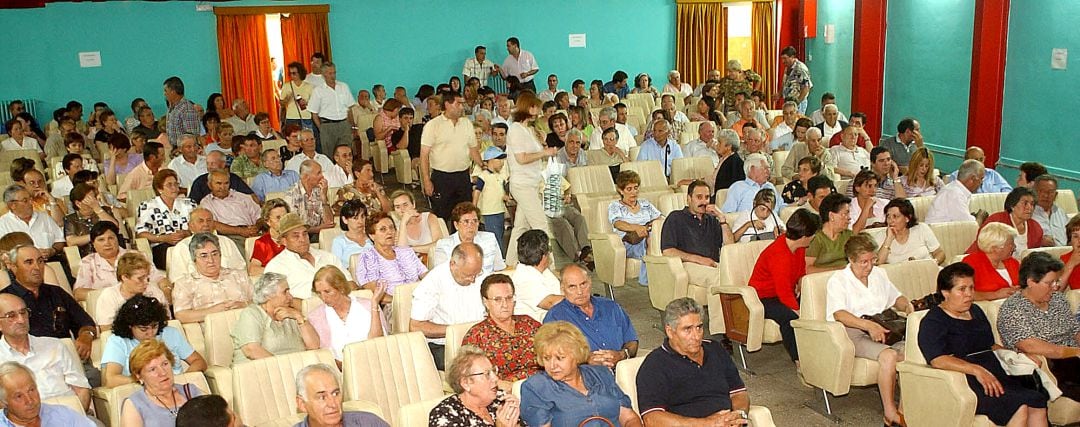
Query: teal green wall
x,y
373,41
830,64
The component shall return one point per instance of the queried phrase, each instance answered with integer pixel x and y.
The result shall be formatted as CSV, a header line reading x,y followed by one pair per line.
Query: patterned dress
x,y
452,413
511,353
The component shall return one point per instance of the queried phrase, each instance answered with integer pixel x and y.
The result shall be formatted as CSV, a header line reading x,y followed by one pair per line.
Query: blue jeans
x,y
637,251
802,106
496,224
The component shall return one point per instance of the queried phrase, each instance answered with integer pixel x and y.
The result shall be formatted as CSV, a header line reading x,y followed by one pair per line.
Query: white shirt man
x,y
242,126
440,298
479,66
42,229
493,260
551,91
59,371
300,272
703,145
953,202
294,163
523,63
1047,213
187,171
607,118
533,286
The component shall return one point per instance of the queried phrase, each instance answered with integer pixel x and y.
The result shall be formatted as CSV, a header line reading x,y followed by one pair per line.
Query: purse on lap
x,y
895,324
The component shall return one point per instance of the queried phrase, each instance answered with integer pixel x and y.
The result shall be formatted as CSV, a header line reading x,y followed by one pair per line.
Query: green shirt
x,y
255,326
244,168
829,253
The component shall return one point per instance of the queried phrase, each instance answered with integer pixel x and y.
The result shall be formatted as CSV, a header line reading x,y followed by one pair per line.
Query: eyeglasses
x,y
492,373
502,300
12,315
208,255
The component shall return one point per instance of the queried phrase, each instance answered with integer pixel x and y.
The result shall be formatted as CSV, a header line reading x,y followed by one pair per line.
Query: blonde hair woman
x,y
920,179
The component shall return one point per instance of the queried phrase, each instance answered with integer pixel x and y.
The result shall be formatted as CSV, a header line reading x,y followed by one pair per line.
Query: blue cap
x,y
492,153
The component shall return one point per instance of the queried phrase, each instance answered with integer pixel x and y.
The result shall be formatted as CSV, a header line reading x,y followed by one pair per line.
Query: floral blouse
x,y
511,353
452,413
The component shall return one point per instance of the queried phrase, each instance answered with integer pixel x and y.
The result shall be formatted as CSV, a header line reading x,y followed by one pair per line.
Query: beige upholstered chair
x,y
612,265
721,197
989,202
70,401
74,259
955,237
1066,200
403,169
416,414
326,238
588,183
401,308
651,173
392,371
349,406
455,334
264,390
921,205
109,401
748,327
249,247
690,168
1055,251
219,351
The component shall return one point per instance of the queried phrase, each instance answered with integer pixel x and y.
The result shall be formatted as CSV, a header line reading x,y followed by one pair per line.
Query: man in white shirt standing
x,y
953,202
553,88
479,66
329,107
448,294
189,164
520,63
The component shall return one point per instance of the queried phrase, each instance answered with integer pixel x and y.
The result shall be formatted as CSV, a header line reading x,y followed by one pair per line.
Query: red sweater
x,y
1034,230
987,278
1074,278
777,271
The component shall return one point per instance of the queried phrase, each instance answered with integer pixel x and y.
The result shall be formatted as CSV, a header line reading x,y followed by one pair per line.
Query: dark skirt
x,y
1000,409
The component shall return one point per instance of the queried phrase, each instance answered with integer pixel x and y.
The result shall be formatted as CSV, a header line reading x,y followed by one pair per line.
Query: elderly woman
x,y
920,179
643,84
861,290
956,336
1019,207
827,251
632,218
866,209
157,403
559,125
271,326
213,287
1071,258
906,239
343,319
88,211
386,122
99,269
730,169
526,158
351,218
466,219
777,273
504,337
163,220
384,261
996,271
557,395
476,400
761,223
133,271
263,130
266,246
144,318
363,188
1038,321
610,154
416,230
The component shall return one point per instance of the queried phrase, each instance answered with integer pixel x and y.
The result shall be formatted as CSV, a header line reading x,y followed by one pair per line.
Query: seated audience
x,y
384,261
539,289
308,198
319,395
754,142
696,234
818,116
660,146
475,402
762,222
142,318
122,159
466,220
920,180
906,239
729,169
504,337
556,396
307,152
133,271
826,252
704,145
142,176
1070,258
160,398
993,182
740,197
850,158
364,188
342,318
163,220
208,410
1019,207
299,261
247,164
216,161
953,202
340,173
22,397
1028,172
992,258
275,179
609,154
188,165
235,213
1038,321
956,336
351,218
1047,213
795,192
58,370
271,326
268,245
98,269
817,188
22,217
610,334
631,218
690,379
608,119
744,115
181,262
860,290
572,154
211,287
560,129
450,294
33,180
887,173
68,166
867,209
87,213
418,230
832,124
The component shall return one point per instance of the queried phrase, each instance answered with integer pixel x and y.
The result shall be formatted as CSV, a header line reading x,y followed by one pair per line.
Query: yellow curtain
x,y
763,39
701,40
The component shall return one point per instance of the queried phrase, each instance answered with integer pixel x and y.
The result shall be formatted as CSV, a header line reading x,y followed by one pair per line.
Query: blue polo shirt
x,y
608,328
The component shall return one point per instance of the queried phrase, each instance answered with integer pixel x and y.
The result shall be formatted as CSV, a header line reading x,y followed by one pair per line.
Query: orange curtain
x,y
303,34
244,57
763,39
701,40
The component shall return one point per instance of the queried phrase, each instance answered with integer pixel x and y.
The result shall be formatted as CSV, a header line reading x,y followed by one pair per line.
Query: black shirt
x,y
683,231
199,187
731,171
415,134
793,191
149,132
672,382
53,313
553,140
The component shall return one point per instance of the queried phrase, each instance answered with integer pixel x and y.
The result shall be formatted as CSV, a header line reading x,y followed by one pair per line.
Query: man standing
x,y
1047,214
953,202
448,294
315,77
908,139
992,182
479,66
446,146
797,82
189,165
606,325
520,63
329,109
660,146
60,370
182,117
695,234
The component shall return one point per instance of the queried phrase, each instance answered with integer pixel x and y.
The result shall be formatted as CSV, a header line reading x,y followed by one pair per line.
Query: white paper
x,y
830,33
89,59
577,40
1059,57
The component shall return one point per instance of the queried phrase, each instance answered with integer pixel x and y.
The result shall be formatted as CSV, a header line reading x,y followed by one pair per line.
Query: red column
x,y
868,62
989,46
789,34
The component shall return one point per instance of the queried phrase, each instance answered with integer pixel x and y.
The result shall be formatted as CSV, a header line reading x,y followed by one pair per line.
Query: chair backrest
x,y
989,202
991,310
690,168
955,237
1055,251
597,215
7,156
650,171
271,195
635,120
136,197
393,371
401,307
74,259
737,261
842,185
61,277
91,303
914,279
194,334
455,334
249,247
1066,200
721,196
626,377
273,144
416,414
327,236
779,157
912,352
216,333
812,300
786,212
670,202
265,389
921,205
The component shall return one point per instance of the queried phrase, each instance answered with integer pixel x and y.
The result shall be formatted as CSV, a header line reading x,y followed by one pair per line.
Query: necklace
x,y
172,410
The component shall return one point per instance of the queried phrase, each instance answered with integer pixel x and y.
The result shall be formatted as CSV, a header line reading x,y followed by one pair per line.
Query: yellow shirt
x,y
292,110
449,143
490,201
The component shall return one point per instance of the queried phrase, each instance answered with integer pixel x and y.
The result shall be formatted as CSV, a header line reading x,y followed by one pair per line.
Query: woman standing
x,y
525,155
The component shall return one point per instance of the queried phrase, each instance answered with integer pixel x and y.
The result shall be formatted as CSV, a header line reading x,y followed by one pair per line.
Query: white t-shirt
x,y
845,292
852,160
520,139
876,215
441,300
531,287
920,243
770,222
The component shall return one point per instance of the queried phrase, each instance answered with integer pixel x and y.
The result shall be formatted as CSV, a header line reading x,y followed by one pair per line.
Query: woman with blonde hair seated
x,y
343,319
569,391
476,400
160,399
996,271
919,180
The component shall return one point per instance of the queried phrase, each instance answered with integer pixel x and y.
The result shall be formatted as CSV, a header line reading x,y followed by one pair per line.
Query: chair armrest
x,y
760,416
756,311
668,280
610,257
826,354
935,396
220,380
109,400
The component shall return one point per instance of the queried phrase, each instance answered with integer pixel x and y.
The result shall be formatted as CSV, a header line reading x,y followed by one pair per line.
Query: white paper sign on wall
x,y
577,40
830,33
89,59
1059,58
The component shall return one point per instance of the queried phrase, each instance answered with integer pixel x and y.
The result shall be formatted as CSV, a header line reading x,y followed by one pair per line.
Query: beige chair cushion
x,y
455,334
921,205
955,237
1054,251
626,377
401,307
416,414
219,342
590,179
736,265
265,389
690,167
989,202
651,173
392,371
1066,200
327,236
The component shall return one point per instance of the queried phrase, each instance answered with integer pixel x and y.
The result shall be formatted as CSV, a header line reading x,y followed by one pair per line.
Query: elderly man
x,y
797,81
189,164
479,66
448,294
908,138
888,176
180,262
850,158
247,164
307,152
340,174
812,147
754,142
329,107
299,261
241,119
47,235
22,401
537,287
740,197
308,198
520,63
448,148
690,380
783,131
695,235
608,118
953,202
862,139
276,178
818,116
992,182
744,114
676,85
183,117
142,177
504,109
208,286
605,324
466,219
215,161
703,146
832,123
147,123
660,146
571,155
319,395
61,371
1047,214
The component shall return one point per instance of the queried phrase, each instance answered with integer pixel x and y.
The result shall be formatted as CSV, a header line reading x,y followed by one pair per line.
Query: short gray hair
x,y
308,166
674,73
678,308
267,285
186,137
485,113
734,64
307,130
791,104
13,254
828,107
813,133
576,132
754,160
609,112
10,368
11,191
667,126
461,363
729,137
969,169
301,377
198,240
754,131
702,126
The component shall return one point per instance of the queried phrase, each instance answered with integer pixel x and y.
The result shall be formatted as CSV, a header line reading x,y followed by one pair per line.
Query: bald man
x,y
216,161
993,182
449,294
606,325
59,370
180,262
